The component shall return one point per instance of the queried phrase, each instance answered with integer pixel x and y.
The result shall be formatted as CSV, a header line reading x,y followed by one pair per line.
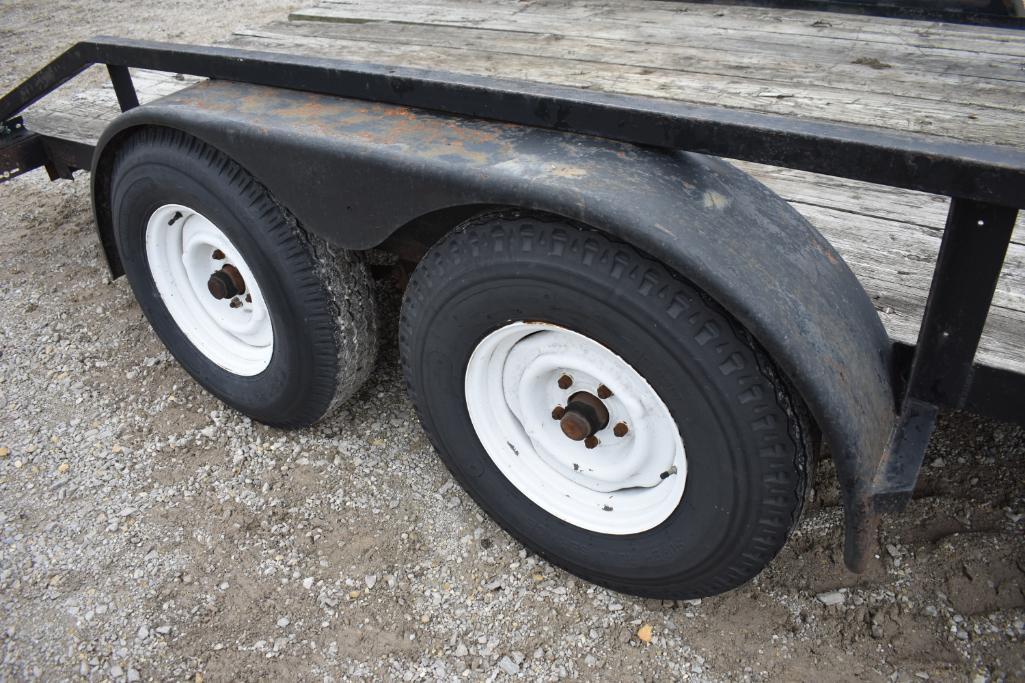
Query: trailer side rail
x,y
988,173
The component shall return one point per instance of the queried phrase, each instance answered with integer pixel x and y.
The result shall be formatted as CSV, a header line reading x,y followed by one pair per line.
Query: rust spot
x,y
714,200
565,171
827,251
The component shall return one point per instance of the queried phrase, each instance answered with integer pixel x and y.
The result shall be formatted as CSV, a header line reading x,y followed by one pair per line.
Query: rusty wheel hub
x,y
585,416
226,283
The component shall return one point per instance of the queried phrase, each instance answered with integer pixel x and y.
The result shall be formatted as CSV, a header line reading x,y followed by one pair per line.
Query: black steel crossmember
x,y
20,150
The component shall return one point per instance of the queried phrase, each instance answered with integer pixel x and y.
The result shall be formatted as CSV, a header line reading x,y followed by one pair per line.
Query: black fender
x,y
356,172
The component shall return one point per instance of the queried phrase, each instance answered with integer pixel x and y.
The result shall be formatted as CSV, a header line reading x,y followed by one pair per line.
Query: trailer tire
x,y
265,316
513,315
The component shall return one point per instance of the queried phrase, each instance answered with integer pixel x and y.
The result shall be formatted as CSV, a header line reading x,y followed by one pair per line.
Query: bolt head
x,y
604,391
565,382
591,442
558,412
620,429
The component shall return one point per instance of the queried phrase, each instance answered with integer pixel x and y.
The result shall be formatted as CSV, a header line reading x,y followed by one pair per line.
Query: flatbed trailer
x,y
419,143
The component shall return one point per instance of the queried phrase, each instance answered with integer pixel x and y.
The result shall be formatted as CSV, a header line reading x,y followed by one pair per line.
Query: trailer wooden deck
x,y
953,81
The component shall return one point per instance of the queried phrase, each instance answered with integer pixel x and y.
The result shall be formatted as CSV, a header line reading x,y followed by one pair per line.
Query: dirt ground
x,y
148,533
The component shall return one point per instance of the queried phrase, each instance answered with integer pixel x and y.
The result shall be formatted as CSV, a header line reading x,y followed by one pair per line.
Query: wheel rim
x,y
535,393
209,290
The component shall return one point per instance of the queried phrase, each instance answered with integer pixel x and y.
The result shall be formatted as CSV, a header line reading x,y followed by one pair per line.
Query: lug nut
x,y
218,254
565,382
620,429
558,412
591,441
604,391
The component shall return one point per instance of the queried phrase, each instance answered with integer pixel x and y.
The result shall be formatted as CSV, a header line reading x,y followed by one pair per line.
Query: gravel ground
x,y
150,533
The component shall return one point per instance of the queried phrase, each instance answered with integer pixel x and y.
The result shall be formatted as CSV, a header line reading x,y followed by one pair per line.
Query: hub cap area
x,y
575,428
209,290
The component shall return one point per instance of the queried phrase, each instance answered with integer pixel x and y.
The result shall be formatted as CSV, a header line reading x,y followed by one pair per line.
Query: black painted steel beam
x,y
20,151
993,392
987,173
124,89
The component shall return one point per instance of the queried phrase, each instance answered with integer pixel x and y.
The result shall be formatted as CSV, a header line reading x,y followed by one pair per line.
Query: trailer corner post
x,y
124,89
971,256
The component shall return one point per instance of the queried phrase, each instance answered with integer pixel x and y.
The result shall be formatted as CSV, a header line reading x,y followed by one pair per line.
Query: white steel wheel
x,y
575,428
209,290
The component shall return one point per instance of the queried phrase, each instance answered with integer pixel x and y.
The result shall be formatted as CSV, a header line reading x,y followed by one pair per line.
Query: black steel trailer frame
x,y
985,183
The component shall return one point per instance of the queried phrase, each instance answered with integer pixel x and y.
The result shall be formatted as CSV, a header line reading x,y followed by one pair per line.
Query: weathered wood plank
x,y
894,263
861,199
636,20
82,116
825,57
970,123
658,11
937,83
